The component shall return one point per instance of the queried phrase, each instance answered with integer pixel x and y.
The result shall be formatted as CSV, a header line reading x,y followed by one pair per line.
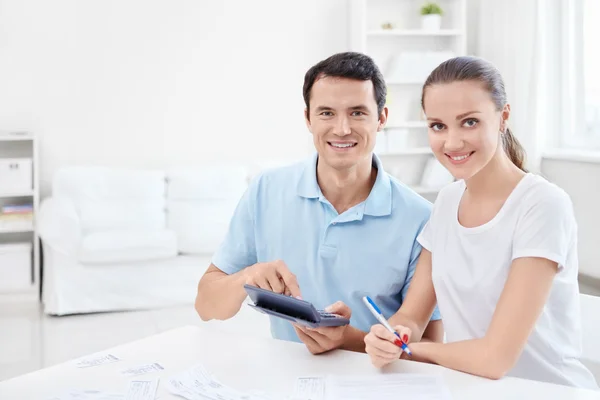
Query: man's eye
x,y
327,113
358,113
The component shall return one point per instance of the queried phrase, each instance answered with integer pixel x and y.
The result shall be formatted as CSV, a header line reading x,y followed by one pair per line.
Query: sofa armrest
x,y
59,225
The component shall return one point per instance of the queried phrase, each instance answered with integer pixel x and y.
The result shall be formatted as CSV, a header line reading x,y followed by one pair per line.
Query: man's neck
x,y
346,188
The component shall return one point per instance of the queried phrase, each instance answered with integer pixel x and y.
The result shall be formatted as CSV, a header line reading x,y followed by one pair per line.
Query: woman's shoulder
x,y
451,192
538,190
447,199
541,201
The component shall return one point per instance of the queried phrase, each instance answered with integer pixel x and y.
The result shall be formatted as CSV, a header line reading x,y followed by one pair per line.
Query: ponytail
x,y
513,149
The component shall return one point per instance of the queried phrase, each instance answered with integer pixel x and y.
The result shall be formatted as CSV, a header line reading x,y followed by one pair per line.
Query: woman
x,y
499,252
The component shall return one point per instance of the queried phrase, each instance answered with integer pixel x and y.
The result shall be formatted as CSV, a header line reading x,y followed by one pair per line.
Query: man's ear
x,y
383,116
307,120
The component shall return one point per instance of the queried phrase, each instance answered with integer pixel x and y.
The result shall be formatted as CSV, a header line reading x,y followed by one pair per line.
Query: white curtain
x,y
536,45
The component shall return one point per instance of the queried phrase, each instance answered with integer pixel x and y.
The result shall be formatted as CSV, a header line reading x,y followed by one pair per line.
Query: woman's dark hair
x,y
468,68
350,65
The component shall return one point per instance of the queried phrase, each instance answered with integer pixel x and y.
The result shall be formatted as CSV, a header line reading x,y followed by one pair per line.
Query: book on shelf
x,y
16,209
16,222
16,217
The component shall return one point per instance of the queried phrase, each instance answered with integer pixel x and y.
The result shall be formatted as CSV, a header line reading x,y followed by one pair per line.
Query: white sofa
x,y
122,239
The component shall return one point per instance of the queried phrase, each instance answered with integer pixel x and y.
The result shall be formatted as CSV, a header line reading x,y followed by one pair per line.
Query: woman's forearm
x,y
471,356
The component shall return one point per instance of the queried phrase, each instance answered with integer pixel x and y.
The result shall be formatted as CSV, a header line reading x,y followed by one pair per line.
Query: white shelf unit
x,y
16,230
406,54
27,193
407,124
416,151
414,32
22,145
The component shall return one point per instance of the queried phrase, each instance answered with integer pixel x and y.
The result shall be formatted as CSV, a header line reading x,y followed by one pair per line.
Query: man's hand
x,y
274,276
321,340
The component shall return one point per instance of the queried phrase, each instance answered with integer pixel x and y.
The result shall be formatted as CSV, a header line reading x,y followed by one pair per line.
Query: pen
x,y
377,313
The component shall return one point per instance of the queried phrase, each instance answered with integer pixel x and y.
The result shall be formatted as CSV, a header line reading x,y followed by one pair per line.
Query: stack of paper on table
x,y
380,387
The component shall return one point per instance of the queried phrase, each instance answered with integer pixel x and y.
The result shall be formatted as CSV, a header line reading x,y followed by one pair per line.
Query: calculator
x,y
289,308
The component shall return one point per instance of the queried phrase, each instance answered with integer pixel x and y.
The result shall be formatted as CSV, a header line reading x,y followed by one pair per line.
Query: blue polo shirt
x,y
368,250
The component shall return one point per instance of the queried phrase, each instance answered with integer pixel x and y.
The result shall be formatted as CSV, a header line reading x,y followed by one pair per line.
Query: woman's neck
x,y
497,179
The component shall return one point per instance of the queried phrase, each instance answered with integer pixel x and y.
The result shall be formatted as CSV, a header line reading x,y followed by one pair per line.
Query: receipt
x,y
142,390
142,369
309,388
95,361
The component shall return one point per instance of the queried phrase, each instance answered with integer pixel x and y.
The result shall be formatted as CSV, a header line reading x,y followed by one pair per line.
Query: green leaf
x,y
431,8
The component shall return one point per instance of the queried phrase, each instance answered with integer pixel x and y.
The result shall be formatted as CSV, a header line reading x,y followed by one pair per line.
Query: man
x,y
330,230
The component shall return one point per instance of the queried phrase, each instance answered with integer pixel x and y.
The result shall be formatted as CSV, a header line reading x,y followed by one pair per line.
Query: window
x,y
591,74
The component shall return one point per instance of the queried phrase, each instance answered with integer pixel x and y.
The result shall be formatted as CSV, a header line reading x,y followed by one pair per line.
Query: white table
x,y
251,363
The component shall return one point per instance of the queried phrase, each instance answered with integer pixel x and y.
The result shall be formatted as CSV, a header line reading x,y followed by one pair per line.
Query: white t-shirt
x,y
470,267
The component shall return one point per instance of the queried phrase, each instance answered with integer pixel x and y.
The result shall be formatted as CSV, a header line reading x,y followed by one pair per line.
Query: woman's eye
x,y
471,122
436,127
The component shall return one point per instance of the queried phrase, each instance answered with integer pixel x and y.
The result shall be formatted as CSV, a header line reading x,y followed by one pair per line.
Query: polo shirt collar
x,y
307,184
379,201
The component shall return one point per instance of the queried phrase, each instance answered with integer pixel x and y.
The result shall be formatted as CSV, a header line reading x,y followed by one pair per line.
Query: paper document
x,y
94,361
197,383
387,386
142,369
309,388
88,395
142,390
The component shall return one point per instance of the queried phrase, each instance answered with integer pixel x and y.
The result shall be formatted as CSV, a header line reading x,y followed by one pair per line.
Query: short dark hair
x,y
349,65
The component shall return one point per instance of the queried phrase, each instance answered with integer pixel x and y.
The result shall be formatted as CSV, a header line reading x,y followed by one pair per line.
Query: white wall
x,y
152,83
473,26
581,181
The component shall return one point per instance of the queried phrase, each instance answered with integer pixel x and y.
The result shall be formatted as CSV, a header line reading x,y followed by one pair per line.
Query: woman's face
x,y
464,126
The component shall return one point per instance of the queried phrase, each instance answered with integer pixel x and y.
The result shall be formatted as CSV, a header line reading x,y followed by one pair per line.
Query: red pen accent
x,y
403,346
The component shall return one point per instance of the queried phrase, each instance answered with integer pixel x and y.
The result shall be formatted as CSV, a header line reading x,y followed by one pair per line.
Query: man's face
x,y
343,120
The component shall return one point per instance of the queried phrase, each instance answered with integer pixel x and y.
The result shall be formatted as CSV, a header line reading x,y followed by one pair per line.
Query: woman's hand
x,y
382,345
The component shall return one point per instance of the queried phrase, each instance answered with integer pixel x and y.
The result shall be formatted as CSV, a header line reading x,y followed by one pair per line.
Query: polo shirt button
x,y
333,223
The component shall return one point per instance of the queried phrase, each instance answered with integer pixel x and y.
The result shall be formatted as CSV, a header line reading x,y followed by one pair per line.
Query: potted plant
x,y
431,16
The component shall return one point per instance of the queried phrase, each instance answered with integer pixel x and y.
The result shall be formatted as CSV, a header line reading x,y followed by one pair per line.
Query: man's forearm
x,y
220,296
354,340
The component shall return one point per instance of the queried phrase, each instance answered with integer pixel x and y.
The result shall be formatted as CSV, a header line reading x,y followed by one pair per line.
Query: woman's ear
x,y
505,115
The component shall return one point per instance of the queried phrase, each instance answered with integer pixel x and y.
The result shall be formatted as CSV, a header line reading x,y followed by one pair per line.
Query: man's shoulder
x,y
407,200
278,178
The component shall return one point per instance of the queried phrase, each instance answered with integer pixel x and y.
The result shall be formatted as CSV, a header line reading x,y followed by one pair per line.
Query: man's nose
x,y
342,127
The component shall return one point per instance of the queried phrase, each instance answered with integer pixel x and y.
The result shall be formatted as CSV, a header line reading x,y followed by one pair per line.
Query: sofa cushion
x,y
125,214
110,199
127,245
207,183
200,203
200,225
